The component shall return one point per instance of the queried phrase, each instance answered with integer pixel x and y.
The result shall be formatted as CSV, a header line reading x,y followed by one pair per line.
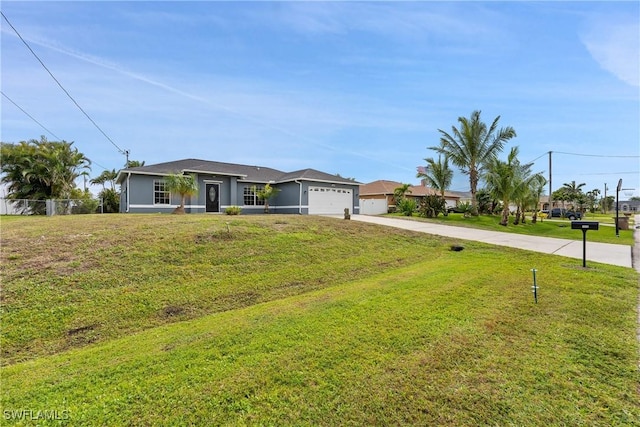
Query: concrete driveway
x,y
605,253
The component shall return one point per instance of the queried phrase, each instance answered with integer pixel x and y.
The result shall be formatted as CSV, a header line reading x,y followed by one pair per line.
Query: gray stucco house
x,y
222,185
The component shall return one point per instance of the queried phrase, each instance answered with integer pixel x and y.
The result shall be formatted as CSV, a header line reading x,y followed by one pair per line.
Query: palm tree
x,y
400,193
41,169
437,174
593,199
573,190
134,164
502,181
265,194
537,190
184,185
473,146
106,176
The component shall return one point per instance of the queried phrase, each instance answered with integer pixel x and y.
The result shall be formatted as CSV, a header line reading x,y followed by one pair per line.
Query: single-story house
x,y
628,206
222,185
377,197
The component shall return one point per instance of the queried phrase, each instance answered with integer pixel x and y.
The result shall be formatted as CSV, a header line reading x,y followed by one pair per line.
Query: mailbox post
x,y
584,226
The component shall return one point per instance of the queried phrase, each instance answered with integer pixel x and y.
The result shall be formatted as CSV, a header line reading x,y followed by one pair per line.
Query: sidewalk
x,y
605,253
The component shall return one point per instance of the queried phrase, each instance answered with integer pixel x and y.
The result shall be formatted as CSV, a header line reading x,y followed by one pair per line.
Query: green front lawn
x,y
298,320
559,228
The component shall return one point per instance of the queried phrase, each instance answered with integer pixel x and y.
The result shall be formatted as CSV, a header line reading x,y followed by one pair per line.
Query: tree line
x,y
43,169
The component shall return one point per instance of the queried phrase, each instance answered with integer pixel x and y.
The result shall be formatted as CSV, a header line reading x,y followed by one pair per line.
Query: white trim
x,y
353,184
254,181
213,173
210,181
167,206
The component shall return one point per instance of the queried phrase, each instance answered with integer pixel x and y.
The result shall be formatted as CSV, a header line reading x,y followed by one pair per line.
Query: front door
x,y
213,197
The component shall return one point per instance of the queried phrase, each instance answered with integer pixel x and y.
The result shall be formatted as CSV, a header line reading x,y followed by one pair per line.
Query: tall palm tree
x,y
437,174
184,185
501,181
473,146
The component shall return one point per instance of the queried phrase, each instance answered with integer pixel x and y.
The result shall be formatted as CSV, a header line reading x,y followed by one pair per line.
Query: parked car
x,y
563,213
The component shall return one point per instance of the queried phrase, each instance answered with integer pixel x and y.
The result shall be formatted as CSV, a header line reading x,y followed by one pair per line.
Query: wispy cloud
x,y
260,107
397,20
615,45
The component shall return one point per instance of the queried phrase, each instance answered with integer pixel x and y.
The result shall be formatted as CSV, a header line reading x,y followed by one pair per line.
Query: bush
x,y
433,205
110,200
233,210
465,208
406,206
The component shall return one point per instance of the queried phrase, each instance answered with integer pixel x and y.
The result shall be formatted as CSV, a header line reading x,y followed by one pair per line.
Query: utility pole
x,y
604,201
126,153
550,194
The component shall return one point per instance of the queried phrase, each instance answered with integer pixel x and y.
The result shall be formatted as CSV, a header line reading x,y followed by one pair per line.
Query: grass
x,y
558,228
290,320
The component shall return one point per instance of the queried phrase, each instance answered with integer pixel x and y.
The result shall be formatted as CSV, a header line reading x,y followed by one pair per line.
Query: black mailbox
x,y
584,225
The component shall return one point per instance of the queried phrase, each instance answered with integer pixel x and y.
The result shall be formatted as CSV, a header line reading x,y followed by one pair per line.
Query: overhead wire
x,y
43,127
30,116
595,155
120,150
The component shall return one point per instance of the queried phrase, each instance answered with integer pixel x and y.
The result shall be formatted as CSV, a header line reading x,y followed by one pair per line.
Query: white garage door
x,y
329,200
373,206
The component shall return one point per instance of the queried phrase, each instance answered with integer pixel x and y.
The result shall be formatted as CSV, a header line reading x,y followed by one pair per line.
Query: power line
x,y
60,84
42,126
30,116
596,155
540,156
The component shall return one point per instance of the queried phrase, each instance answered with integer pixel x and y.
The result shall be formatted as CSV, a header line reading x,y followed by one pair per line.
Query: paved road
x,y
606,253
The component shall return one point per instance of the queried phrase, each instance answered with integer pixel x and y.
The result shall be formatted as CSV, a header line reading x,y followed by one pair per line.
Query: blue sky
x,y
355,88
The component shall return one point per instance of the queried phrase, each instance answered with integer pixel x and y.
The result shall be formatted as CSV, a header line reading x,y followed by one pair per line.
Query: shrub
x,y
406,206
433,205
233,210
110,200
465,208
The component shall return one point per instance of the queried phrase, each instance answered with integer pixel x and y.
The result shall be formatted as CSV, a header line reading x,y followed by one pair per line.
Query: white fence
x,y
50,207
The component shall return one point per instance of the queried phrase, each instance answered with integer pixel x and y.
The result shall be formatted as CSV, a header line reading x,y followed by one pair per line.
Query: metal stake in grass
x,y
535,286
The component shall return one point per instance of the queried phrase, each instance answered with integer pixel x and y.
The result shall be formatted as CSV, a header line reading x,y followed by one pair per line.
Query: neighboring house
x,y
377,197
628,206
222,185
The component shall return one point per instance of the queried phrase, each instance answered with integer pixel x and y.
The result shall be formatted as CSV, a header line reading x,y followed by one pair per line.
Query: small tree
x,y
265,194
399,194
184,185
